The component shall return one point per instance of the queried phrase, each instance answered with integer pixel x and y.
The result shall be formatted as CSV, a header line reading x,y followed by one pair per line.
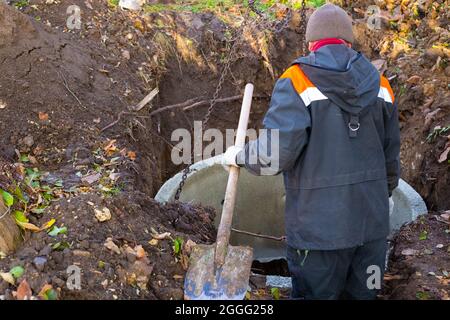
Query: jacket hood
x,y
345,76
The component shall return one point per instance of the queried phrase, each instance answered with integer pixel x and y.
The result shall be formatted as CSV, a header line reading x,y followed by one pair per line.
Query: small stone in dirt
x,y
84,244
81,253
131,257
27,252
140,252
410,252
67,253
258,281
91,178
103,215
140,273
57,282
126,54
45,251
428,252
28,141
439,246
58,257
39,263
111,245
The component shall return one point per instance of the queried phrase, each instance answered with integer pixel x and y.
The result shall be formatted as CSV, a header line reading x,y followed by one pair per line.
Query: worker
x,y
336,124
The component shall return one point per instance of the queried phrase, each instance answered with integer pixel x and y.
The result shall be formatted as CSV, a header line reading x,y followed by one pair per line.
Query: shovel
x,y
221,271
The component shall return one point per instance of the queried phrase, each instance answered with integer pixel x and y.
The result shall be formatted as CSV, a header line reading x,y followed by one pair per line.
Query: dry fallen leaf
x,y
414,79
161,236
153,242
23,291
110,147
28,226
188,245
44,289
444,155
8,277
131,155
103,215
43,116
446,215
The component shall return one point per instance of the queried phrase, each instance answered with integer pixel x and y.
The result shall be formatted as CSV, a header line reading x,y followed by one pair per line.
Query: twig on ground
x,y
207,102
5,213
119,117
173,106
283,238
186,105
146,100
66,85
192,103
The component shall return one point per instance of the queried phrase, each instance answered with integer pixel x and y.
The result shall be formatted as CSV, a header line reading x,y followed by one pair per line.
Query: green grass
x,y
113,3
21,4
213,5
438,131
315,3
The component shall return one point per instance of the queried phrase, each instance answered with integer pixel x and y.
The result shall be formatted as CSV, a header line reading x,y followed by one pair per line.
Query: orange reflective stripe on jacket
x,y
299,80
384,83
307,91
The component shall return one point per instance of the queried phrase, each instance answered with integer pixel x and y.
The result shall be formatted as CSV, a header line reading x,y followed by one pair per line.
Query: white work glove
x,y
391,206
229,157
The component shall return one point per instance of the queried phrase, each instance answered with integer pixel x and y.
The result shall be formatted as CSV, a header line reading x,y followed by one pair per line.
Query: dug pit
x,y
260,206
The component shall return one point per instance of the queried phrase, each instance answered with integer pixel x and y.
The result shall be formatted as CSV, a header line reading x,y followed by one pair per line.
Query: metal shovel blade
x,y
229,282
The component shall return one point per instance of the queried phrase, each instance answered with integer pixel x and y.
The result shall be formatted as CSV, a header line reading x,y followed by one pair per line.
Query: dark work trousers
x,y
354,273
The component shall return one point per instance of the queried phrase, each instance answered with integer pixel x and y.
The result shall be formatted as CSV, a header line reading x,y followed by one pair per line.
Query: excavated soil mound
x,y
118,258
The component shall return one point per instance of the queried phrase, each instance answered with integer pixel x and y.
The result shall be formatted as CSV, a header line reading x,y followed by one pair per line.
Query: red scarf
x,y
324,42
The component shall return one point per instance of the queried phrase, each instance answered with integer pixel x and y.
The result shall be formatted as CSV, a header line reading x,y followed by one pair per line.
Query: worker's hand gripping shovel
x,y
221,271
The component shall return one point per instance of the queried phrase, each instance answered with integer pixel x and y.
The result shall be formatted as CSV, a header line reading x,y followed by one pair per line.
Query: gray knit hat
x,y
329,21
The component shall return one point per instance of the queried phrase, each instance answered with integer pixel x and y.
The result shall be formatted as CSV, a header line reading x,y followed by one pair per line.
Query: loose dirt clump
x,y
420,261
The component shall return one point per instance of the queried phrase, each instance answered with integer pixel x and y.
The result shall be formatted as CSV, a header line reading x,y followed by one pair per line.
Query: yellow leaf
x,y
48,224
139,25
44,289
8,277
110,147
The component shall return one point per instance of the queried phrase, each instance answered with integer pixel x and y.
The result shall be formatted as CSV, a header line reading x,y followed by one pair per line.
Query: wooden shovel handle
x,y
223,234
